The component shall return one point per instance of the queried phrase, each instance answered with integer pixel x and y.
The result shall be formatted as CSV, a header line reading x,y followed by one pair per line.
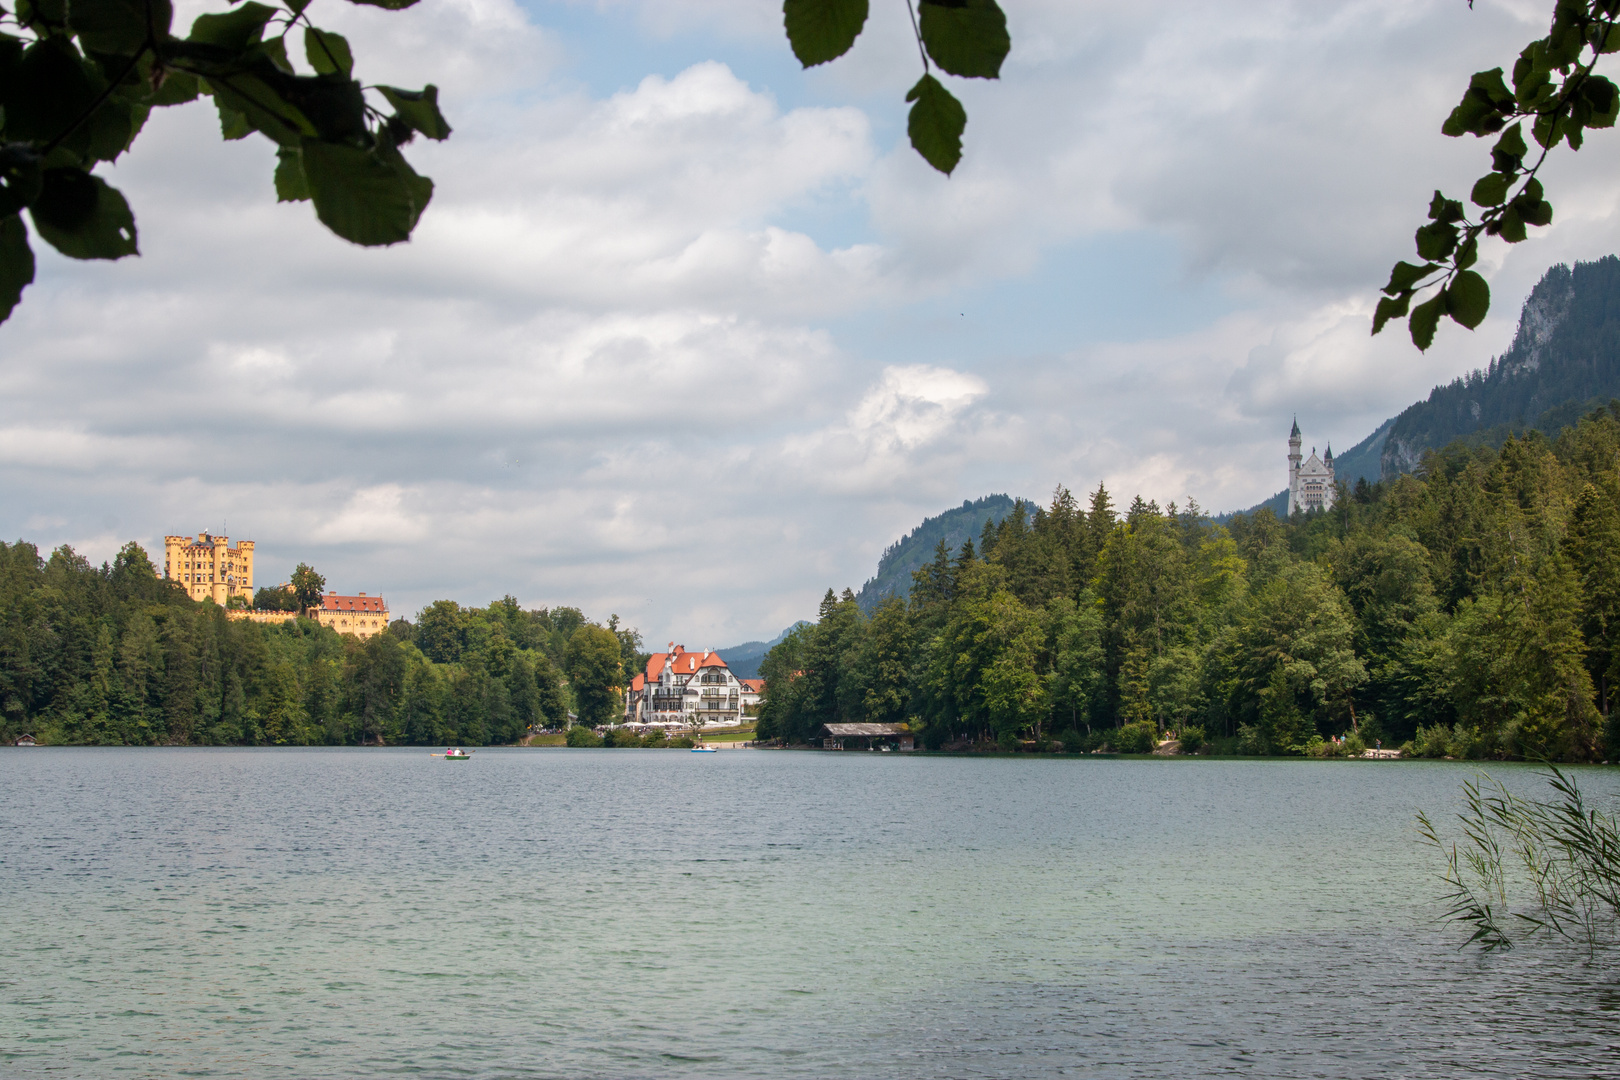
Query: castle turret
x,y
1294,459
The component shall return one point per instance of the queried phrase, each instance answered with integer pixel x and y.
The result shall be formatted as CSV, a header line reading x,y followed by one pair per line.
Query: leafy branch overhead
x,y
78,81
966,38
1557,94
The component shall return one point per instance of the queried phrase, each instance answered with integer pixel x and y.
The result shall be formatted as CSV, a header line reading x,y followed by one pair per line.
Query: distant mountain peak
x,y
1564,360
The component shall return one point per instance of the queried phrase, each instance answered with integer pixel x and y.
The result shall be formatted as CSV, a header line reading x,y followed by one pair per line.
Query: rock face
x,y
1564,360
1168,748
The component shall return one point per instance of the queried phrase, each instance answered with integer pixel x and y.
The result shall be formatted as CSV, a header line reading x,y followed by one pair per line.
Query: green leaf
x,y
49,12
1507,156
1445,210
274,50
328,53
51,90
1467,252
936,124
291,108
1425,319
1510,226
1390,307
20,177
1531,74
1468,299
822,30
1436,240
1491,189
1405,275
16,264
112,127
391,5
176,88
83,218
290,183
419,109
119,27
1548,130
1482,107
232,124
235,29
965,37
1604,98
362,195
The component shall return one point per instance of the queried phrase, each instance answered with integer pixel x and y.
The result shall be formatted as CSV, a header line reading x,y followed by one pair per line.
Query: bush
x,y
1456,741
683,743
1193,738
655,740
1137,738
1007,742
1251,740
1073,742
580,735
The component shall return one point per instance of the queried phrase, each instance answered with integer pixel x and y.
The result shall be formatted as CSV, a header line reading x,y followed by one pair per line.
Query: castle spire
x,y
1294,434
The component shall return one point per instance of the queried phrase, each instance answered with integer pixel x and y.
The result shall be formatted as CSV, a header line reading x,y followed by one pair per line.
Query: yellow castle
x,y
210,567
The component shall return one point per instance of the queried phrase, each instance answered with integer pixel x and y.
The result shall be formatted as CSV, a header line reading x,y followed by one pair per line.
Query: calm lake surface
x,y
581,914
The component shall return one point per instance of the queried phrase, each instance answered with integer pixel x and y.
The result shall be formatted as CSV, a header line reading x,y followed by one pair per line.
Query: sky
x,y
689,335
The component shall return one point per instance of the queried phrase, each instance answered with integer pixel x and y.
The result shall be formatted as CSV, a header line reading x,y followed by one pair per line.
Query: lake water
x,y
583,914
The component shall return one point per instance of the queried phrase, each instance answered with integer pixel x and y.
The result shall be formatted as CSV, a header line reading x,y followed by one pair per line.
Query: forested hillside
x,y
115,655
1470,611
911,552
1565,359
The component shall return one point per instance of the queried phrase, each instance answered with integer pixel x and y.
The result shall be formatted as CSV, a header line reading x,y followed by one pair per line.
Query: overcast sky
x,y
689,335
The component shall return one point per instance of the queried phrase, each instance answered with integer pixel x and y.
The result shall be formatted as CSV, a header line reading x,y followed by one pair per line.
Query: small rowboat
x,y
453,755
704,750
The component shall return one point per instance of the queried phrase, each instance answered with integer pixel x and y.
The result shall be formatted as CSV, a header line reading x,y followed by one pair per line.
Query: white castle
x,y
1310,485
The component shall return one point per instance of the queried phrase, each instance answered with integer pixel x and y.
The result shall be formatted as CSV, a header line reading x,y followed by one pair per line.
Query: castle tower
x,y
210,567
1293,468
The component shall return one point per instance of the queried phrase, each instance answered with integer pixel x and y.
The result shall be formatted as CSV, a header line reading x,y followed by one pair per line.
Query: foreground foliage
x,y
1531,865
1558,93
115,655
965,38
1472,610
78,81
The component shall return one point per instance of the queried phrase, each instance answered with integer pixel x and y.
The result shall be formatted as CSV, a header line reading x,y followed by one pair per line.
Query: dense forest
x,y
116,655
1471,609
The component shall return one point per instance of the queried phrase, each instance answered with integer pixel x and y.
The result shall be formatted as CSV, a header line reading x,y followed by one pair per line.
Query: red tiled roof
x,y
637,683
334,602
681,662
756,685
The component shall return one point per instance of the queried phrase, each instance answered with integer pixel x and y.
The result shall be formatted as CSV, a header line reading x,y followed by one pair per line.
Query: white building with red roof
x,y
360,615
683,689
